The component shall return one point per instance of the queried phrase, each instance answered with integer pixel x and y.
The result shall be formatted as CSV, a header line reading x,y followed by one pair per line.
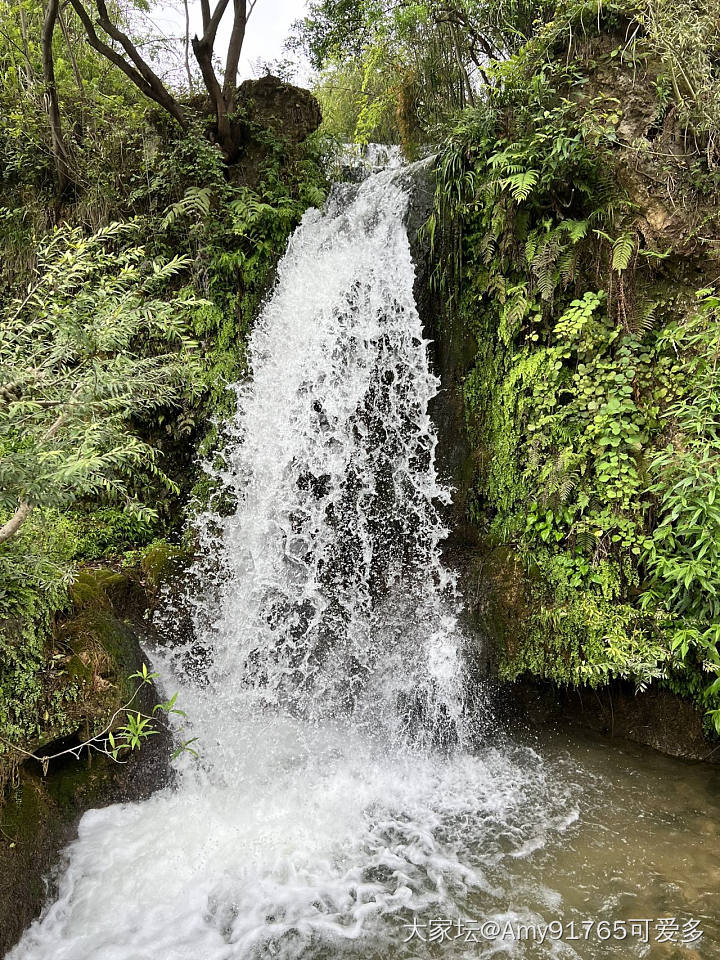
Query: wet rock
x,y
655,718
452,351
99,649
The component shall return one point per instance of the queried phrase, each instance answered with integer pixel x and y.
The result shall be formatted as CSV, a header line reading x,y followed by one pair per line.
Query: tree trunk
x,y
60,153
222,97
237,38
203,51
130,61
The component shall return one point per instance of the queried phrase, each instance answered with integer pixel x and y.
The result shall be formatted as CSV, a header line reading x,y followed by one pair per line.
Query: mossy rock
x,y
92,654
160,563
94,588
40,817
85,662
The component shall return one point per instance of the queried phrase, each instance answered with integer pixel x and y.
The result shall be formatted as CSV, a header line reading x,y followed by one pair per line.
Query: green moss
x,y
162,561
65,675
92,588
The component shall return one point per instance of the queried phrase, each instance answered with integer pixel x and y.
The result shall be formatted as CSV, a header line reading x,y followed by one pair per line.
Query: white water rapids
x,y
341,787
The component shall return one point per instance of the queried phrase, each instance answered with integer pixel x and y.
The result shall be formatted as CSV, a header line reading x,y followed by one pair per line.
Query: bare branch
x,y
15,522
140,74
211,30
205,11
186,43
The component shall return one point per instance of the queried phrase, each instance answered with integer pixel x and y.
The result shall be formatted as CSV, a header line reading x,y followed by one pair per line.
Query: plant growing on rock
x,y
127,730
592,403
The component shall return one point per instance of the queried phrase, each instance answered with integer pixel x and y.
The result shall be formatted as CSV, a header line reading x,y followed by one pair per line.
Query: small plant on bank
x,y
127,730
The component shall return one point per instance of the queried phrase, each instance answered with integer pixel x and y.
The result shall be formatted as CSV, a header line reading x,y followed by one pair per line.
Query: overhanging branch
x,y
139,72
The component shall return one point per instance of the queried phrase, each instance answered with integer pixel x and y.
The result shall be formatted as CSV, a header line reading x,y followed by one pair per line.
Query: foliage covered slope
x,y
585,247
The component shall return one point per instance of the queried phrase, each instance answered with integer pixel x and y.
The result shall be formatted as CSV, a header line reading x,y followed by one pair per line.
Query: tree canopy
x,y
396,69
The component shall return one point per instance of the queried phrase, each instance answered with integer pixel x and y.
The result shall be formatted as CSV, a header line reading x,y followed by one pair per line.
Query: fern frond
x,y
196,203
622,251
576,229
584,540
521,184
567,264
642,319
543,265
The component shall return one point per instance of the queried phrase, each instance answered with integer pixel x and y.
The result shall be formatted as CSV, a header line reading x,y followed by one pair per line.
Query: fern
x,y
576,229
584,539
567,265
513,312
531,245
195,203
76,350
521,184
622,251
543,265
643,317
487,248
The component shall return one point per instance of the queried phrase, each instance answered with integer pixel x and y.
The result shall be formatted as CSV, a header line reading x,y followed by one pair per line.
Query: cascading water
x,y
337,792
331,597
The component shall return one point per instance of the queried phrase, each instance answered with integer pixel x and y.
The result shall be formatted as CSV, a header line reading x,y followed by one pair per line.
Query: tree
x,y
60,153
416,63
90,347
106,36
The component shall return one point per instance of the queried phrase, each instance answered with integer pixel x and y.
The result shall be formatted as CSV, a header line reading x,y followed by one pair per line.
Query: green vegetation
x,y
396,72
593,401
575,233
138,235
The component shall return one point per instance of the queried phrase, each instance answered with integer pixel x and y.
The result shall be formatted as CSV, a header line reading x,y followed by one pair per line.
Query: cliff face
x,y
577,232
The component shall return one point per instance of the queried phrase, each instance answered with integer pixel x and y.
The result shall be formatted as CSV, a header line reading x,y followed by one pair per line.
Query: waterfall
x,y
329,591
340,788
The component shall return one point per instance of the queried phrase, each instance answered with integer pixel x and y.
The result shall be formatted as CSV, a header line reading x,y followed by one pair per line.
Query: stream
x,y
350,800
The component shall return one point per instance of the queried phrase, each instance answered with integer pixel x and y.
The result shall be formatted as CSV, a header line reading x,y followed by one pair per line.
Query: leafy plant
x,y
117,738
683,553
592,402
76,367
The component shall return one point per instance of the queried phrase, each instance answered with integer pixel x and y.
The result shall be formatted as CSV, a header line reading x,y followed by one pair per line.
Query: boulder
x,y
291,112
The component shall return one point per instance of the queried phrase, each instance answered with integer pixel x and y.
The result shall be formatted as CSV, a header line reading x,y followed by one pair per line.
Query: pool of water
x,y
324,844
645,846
